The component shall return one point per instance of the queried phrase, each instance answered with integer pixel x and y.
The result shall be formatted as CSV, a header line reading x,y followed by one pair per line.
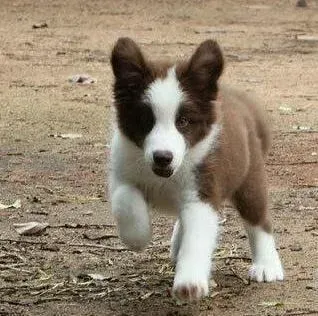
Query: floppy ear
x,y
129,65
205,68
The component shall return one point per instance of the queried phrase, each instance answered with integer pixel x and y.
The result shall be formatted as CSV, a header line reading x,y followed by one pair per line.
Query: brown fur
x,y
198,78
133,74
236,169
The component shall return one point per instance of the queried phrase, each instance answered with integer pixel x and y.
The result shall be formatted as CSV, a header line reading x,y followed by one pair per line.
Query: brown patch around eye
x,y
182,122
194,121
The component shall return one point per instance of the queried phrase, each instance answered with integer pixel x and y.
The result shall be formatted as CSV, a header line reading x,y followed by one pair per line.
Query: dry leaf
x,y
70,136
92,276
270,304
307,38
30,228
147,295
302,128
82,79
41,25
97,277
285,109
16,204
67,136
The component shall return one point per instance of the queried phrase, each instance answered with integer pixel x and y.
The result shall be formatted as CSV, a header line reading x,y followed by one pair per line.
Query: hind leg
x,y
266,265
251,202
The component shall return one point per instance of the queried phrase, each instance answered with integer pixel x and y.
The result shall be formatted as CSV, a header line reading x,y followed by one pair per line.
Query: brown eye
x,y
182,122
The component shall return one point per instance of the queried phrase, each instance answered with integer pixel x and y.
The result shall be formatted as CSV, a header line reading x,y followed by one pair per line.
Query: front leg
x,y
175,241
199,224
131,212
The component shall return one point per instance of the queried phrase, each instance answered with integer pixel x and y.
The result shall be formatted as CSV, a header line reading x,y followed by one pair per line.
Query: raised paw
x,y
267,272
190,291
131,212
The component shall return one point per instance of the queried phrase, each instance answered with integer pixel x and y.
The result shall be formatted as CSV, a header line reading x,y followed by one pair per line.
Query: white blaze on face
x,y
165,96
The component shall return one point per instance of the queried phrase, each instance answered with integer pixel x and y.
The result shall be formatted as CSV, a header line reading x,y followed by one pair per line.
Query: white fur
x,y
266,263
165,97
199,224
131,212
175,241
208,144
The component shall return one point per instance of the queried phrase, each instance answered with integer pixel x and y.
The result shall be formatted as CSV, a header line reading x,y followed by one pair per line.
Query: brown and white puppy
x,y
184,145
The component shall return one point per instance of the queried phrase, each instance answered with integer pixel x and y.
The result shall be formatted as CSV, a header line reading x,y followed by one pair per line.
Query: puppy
x,y
184,145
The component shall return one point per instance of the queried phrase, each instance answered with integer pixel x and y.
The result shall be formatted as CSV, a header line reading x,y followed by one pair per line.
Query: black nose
x,y
162,158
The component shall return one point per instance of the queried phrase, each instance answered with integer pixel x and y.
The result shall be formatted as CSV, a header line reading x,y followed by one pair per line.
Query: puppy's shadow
x,y
145,289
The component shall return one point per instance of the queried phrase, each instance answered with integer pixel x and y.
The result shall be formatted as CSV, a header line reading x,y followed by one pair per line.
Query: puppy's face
x,y
165,109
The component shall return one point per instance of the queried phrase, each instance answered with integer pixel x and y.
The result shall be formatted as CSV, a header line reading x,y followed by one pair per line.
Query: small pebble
x,y
77,251
40,25
82,79
296,248
301,4
52,248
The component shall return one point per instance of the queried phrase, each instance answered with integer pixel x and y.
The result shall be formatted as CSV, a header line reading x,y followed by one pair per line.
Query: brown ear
x,y
128,64
205,68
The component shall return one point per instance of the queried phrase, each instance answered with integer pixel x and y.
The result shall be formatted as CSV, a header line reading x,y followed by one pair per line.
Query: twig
x,y
235,274
97,246
302,313
26,286
81,226
14,302
292,163
24,241
13,255
50,299
17,269
308,185
235,258
299,132
64,244
7,266
47,190
52,288
106,236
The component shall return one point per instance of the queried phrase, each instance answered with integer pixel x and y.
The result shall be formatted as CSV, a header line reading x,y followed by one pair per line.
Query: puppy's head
x,y
165,109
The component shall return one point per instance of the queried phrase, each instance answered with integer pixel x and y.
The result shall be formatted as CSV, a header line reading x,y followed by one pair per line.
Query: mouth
x,y
162,172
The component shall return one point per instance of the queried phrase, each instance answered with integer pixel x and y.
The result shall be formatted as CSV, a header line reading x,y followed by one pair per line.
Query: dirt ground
x,y
61,179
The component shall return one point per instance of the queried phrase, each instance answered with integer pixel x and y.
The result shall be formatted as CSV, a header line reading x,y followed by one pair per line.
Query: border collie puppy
x,y
184,145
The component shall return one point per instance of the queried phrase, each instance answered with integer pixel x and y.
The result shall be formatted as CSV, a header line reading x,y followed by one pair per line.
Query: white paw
x,y
131,212
267,271
190,289
134,232
135,242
